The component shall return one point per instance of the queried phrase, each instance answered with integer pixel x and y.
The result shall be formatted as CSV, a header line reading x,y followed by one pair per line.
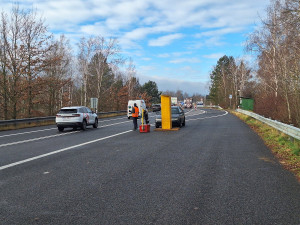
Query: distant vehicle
x,y
76,116
188,103
156,107
174,101
140,104
178,117
200,104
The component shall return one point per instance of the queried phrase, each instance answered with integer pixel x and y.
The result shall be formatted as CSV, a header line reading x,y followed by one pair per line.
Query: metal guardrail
x,y
27,120
49,118
285,128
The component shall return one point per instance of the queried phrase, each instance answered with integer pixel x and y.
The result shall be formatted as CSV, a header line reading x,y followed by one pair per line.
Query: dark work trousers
x,y
135,122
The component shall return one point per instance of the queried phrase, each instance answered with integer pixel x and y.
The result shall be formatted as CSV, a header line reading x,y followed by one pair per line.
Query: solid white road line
x,y
36,139
28,132
60,150
197,113
122,118
114,124
208,117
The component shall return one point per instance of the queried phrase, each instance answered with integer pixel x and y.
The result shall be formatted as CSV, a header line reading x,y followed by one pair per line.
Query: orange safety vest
x,y
136,112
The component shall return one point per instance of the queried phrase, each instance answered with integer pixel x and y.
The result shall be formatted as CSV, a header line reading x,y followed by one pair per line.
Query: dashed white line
x,y
60,150
114,124
197,113
28,132
122,118
35,139
208,117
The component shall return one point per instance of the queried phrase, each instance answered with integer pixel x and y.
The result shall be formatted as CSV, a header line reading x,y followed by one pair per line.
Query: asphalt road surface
x,y
215,170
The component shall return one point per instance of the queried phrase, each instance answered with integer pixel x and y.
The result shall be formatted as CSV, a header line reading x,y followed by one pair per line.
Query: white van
x,y
140,104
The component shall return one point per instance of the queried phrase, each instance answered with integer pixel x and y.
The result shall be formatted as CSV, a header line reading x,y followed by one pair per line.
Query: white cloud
x,y
200,23
146,59
185,60
135,19
164,55
219,32
165,40
171,84
174,54
214,56
209,42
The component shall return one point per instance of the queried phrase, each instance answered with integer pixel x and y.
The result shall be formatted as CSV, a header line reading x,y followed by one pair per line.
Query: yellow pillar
x,y
166,121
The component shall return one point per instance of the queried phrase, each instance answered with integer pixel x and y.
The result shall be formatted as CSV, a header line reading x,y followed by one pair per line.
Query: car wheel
x,y
60,129
156,125
183,124
83,125
180,124
95,125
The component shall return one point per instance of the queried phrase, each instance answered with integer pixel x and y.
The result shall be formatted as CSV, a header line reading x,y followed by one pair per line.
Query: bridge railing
x,y
285,128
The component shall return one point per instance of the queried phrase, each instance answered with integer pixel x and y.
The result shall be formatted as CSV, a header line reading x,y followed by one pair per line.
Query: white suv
x,y
76,116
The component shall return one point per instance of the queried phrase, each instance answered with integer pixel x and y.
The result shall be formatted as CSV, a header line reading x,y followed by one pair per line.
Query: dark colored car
x,y
178,117
156,107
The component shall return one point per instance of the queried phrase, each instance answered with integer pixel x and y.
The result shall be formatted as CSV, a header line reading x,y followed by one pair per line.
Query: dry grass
x,y
286,149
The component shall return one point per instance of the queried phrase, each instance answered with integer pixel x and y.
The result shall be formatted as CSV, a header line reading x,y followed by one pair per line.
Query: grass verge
x,y
287,150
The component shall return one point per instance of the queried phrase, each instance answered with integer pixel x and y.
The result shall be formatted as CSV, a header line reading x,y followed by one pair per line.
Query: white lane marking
x,y
35,131
36,139
115,124
208,117
60,150
122,118
40,138
28,132
198,113
189,111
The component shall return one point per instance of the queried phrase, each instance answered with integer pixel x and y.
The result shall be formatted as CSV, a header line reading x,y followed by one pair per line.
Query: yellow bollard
x,y
142,117
166,121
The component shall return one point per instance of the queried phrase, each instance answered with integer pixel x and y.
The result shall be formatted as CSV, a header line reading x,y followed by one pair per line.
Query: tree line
x,y
274,83
40,74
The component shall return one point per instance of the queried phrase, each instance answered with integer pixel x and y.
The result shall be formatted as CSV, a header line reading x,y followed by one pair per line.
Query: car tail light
x,y
76,115
58,115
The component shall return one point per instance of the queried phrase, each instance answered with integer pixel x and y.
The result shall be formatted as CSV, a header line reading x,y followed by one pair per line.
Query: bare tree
x,y
16,57
85,55
34,39
58,75
3,62
108,56
277,45
131,72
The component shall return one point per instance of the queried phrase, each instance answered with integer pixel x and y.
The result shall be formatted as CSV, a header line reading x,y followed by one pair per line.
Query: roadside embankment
x,y
286,149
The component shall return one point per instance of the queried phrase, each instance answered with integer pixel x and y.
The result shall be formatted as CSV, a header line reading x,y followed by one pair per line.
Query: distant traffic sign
x,y
94,103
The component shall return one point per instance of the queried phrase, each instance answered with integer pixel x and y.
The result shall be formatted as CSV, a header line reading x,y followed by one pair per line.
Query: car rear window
x,y
68,111
175,111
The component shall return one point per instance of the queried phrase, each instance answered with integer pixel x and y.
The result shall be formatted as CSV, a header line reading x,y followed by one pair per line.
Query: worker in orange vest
x,y
135,115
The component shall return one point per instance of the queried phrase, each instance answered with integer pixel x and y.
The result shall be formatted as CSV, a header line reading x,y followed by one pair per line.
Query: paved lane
x,y
213,171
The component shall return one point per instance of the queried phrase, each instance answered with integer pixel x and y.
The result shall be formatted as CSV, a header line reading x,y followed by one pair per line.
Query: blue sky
x,y
172,42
